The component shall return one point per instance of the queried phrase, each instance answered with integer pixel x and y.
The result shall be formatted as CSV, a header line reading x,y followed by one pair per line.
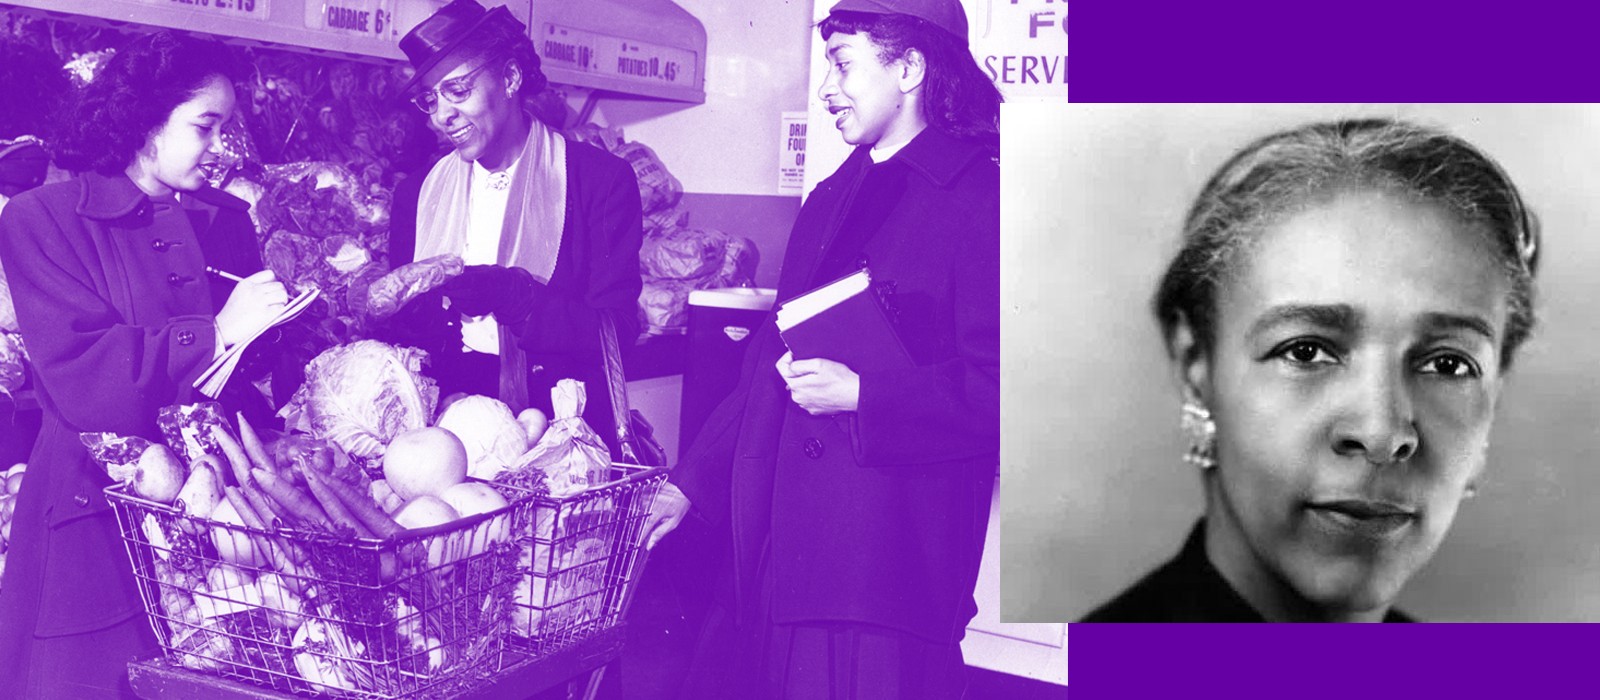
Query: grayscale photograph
x,y
1302,363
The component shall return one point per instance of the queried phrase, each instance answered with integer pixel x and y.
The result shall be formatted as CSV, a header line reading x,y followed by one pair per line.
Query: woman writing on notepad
x,y
856,496
109,274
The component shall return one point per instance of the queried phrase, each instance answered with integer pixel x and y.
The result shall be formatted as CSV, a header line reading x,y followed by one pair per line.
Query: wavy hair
x,y
112,118
958,98
1274,174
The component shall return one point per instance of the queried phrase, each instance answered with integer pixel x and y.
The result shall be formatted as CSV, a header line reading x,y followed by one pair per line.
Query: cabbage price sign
x,y
366,18
625,59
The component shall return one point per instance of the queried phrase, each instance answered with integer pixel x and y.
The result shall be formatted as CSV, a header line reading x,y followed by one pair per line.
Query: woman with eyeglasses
x,y
549,229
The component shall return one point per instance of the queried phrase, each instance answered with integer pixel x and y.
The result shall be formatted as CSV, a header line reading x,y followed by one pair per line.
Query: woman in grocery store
x,y
549,228
857,497
1341,320
109,272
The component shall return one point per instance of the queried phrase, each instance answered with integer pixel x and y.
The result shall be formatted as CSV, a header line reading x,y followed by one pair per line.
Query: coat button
x,y
158,245
81,500
174,280
185,337
813,448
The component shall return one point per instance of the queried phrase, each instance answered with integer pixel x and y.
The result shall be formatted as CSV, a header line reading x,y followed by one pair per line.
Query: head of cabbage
x,y
492,435
361,395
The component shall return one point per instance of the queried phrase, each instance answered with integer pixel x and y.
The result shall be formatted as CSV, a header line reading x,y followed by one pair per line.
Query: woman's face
x,y
1353,380
482,126
867,97
191,136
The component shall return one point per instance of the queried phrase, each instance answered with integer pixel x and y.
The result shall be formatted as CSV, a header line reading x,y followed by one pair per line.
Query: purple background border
x,y
1307,51
1312,662
1311,51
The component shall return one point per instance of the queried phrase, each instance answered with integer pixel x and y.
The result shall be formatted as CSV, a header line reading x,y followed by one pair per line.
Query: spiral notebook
x,y
211,381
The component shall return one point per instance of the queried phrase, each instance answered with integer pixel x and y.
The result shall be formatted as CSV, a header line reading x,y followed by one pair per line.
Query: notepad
x,y
211,381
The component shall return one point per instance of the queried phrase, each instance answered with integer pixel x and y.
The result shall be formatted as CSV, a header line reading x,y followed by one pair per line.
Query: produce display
x,y
675,259
10,484
13,363
269,561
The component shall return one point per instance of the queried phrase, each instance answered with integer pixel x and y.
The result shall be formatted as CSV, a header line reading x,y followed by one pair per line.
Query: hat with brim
x,y
437,37
944,14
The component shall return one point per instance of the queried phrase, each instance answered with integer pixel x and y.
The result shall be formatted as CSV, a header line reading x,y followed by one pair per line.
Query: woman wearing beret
x,y
856,498
109,274
549,228
1342,318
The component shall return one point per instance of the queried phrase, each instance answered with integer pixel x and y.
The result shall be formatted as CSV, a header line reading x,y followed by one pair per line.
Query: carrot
x,y
241,504
362,507
237,461
253,447
263,505
340,515
299,506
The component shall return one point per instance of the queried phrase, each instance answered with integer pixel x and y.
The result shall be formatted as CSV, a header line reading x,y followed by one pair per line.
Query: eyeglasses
x,y
455,91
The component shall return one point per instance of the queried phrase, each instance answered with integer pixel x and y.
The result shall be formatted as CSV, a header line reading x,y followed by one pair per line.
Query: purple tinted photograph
x,y
508,348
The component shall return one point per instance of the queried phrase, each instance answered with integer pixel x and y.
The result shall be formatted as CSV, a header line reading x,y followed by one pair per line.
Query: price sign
x,y
626,59
367,18
244,9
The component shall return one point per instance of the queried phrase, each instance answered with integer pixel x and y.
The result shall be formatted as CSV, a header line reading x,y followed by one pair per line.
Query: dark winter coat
x,y
1187,589
597,270
118,313
876,516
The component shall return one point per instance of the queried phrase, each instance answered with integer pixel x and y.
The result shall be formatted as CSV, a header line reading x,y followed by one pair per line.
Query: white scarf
x,y
534,221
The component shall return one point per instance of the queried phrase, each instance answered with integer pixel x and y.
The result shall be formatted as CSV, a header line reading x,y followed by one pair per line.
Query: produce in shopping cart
x,y
187,428
493,437
569,454
118,455
424,462
202,490
361,395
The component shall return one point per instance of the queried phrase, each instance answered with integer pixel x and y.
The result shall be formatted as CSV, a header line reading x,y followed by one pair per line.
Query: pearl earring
x,y
1200,430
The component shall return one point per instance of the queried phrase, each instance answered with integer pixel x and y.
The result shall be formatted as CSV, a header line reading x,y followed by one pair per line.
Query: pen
x,y
224,274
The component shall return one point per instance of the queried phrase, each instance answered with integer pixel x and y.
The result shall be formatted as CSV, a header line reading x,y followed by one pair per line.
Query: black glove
x,y
423,323
506,292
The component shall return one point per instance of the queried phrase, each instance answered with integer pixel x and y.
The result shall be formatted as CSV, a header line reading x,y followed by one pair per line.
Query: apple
x,y
428,511
159,475
424,462
424,511
534,422
472,498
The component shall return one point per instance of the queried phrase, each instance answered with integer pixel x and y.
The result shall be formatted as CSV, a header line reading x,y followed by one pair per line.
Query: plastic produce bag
x,y
187,429
118,454
570,454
